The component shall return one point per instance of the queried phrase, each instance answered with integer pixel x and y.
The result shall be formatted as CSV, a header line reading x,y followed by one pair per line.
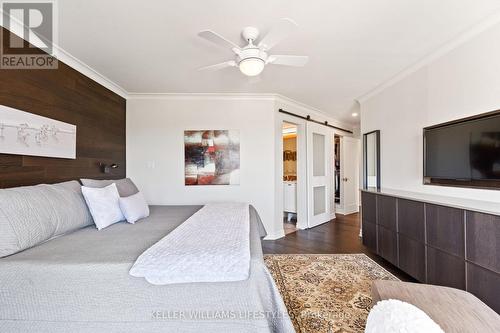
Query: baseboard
x,y
301,227
275,236
351,210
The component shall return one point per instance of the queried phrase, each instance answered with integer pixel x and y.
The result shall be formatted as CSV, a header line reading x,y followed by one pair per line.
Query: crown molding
x,y
203,96
277,98
446,48
91,73
228,96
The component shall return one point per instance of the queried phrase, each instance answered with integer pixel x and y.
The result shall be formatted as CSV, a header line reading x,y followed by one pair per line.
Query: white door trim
x,y
301,172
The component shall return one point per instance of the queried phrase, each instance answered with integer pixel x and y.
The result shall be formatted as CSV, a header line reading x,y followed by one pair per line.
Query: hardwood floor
x,y
337,236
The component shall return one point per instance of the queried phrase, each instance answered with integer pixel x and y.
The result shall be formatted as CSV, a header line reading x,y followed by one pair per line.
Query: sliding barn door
x,y
319,173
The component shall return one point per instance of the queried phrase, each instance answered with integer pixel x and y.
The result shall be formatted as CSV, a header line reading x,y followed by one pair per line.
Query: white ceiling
x,y
354,46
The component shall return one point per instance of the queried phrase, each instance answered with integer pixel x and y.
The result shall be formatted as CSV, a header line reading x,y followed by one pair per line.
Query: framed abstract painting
x,y
212,157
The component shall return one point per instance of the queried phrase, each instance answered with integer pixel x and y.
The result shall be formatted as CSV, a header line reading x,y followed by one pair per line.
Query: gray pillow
x,y
31,215
125,186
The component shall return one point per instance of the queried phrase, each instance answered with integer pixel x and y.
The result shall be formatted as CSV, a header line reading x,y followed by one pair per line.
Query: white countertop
x,y
487,207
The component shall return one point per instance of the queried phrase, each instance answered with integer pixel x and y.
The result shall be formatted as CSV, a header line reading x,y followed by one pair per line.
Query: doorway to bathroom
x,y
289,134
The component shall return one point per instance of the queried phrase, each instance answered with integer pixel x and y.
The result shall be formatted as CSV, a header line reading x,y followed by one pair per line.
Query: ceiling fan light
x,y
251,66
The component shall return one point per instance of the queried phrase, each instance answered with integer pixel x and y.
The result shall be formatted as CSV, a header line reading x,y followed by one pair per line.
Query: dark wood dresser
x,y
454,244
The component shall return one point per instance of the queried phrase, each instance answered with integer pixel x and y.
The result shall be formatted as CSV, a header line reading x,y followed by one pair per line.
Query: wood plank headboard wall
x,y
66,95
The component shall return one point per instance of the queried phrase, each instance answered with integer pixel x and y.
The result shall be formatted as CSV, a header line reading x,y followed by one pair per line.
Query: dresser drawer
x,y
386,212
445,229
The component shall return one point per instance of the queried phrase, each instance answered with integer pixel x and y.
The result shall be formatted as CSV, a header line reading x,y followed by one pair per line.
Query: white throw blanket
x,y
394,316
213,245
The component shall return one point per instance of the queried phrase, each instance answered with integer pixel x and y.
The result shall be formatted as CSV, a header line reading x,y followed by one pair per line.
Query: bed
x,y
80,282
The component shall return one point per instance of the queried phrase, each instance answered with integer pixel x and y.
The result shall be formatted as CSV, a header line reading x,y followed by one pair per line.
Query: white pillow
x,y
394,316
134,207
104,205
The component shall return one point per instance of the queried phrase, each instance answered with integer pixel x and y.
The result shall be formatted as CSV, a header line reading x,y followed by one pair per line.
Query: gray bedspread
x,y
79,282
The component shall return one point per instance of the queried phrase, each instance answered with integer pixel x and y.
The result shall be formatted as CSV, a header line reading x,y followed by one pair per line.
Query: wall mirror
x,y
371,159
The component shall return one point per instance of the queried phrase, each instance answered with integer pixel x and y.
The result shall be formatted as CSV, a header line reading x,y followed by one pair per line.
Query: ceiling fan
x,y
252,58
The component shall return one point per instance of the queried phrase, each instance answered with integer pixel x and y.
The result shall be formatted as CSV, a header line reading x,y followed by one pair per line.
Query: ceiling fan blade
x,y
288,60
280,31
216,67
217,39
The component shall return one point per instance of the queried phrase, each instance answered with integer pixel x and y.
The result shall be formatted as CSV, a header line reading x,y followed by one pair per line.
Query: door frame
x,y
339,208
342,205
355,179
302,215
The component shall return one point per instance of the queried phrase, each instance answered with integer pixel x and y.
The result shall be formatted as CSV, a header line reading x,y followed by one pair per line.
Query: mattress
x,y
80,282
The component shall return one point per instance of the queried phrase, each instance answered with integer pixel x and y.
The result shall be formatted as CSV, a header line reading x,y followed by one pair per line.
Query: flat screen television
x,y
465,152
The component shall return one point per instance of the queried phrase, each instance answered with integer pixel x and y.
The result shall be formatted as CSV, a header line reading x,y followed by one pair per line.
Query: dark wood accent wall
x,y
65,94
436,244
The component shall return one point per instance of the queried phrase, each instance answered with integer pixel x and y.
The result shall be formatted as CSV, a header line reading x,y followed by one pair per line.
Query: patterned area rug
x,y
327,292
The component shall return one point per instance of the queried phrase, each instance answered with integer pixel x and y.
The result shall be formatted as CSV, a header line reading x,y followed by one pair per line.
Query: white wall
x,y
462,83
155,150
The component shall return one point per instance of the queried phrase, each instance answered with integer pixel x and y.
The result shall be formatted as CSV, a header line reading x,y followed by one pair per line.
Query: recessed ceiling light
x,y
354,114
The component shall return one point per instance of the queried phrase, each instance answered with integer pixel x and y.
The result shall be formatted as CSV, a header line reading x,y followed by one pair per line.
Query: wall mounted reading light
x,y
105,168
